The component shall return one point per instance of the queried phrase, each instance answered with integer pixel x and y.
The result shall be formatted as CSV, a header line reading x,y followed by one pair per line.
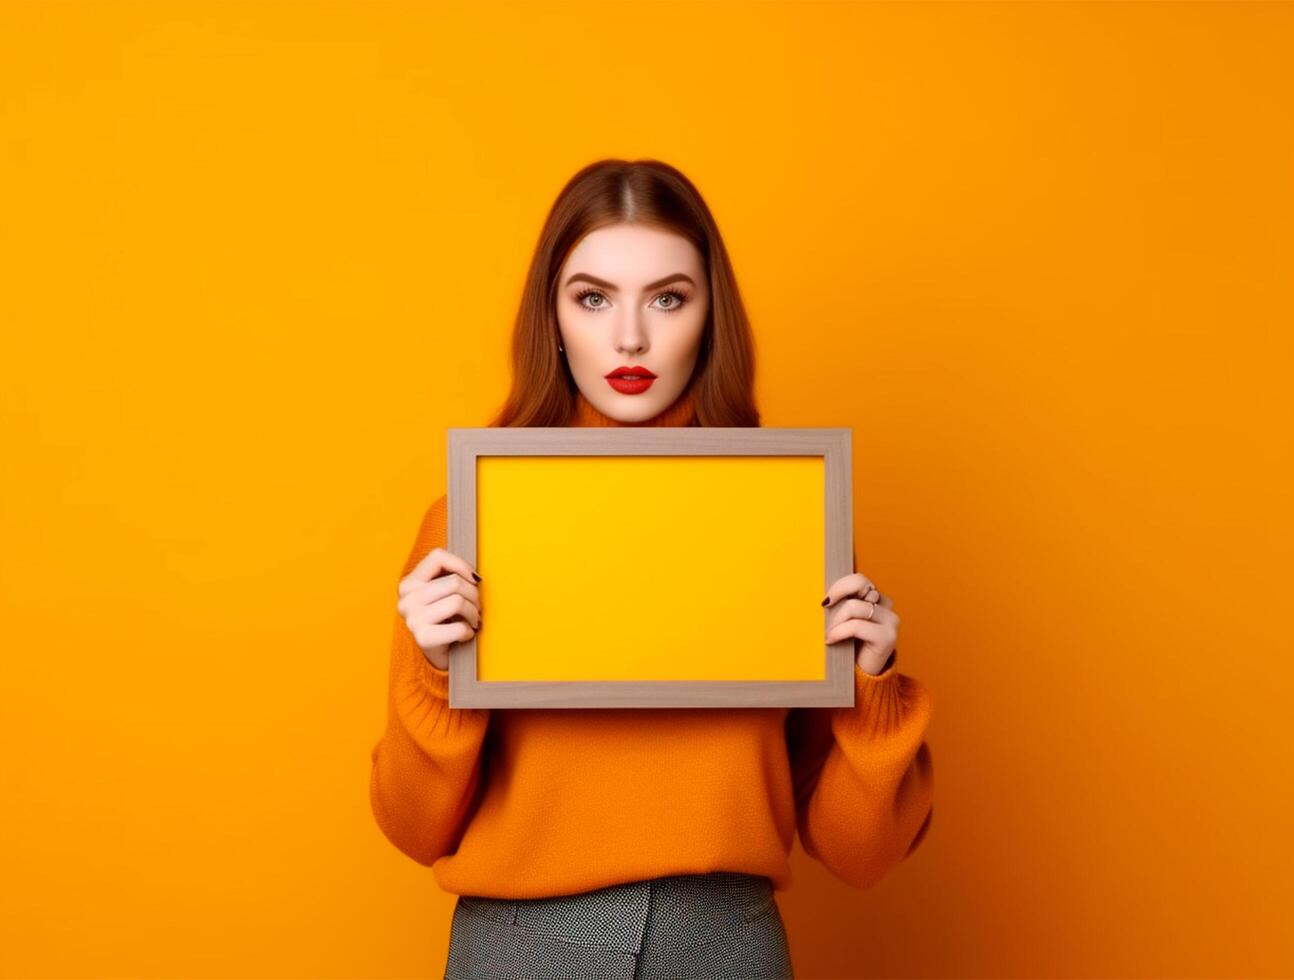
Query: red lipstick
x,y
630,380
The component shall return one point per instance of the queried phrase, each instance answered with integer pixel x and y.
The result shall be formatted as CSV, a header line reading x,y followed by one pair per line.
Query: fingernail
x,y
475,576
826,600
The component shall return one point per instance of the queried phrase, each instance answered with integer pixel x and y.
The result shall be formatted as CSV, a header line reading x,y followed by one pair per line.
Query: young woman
x,y
635,842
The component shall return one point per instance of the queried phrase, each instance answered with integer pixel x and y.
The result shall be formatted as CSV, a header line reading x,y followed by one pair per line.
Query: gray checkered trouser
x,y
716,926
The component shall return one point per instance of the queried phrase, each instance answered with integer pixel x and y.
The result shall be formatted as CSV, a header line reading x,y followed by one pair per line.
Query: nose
x,y
631,340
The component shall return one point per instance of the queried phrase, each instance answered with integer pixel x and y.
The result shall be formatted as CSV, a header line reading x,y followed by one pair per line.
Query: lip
x,y
627,387
631,370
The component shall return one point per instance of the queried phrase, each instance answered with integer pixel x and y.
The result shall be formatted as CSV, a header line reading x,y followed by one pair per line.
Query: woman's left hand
x,y
864,614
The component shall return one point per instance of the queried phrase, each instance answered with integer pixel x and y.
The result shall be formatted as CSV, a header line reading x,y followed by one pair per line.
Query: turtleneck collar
x,y
681,413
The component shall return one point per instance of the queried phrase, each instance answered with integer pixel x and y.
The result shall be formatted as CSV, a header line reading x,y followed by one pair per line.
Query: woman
x,y
635,842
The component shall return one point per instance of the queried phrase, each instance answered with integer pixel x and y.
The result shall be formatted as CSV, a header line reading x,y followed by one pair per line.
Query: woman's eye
x,y
591,294
675,300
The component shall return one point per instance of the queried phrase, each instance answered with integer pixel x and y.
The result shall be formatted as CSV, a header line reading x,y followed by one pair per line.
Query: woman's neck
x,y
681,413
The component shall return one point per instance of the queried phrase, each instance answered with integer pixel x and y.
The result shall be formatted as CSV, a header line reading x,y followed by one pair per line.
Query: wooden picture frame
x,y
651,566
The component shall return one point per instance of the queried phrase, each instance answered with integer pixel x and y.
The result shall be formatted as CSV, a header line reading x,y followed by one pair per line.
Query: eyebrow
x,y
612,287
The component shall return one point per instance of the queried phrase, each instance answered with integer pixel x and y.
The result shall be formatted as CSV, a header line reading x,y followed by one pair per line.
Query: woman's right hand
x,y
439,588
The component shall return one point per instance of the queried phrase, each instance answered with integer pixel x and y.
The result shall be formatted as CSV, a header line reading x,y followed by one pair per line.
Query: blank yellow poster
x,y
663,568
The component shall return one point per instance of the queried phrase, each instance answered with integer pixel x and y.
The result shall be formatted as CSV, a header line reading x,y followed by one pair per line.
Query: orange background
x,y
258,256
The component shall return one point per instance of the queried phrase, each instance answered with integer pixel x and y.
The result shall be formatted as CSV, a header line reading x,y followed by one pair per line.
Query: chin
x,y
631,408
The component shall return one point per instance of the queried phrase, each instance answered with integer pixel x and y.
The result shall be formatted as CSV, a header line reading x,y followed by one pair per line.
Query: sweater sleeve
x,y
426,769
863,777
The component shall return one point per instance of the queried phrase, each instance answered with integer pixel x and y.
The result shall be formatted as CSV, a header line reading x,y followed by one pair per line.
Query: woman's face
x,y
632,296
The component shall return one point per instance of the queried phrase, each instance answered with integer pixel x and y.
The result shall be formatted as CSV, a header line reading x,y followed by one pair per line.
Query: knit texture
x,y
533,802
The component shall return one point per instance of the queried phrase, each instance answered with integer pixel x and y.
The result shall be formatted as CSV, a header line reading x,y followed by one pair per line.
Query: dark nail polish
x,y
475,576
826,600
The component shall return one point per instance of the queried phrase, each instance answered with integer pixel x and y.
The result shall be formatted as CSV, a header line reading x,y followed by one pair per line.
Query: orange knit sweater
x,y
529,803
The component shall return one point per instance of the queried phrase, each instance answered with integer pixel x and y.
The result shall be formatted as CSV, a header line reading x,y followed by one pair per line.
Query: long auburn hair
x,y
638,191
